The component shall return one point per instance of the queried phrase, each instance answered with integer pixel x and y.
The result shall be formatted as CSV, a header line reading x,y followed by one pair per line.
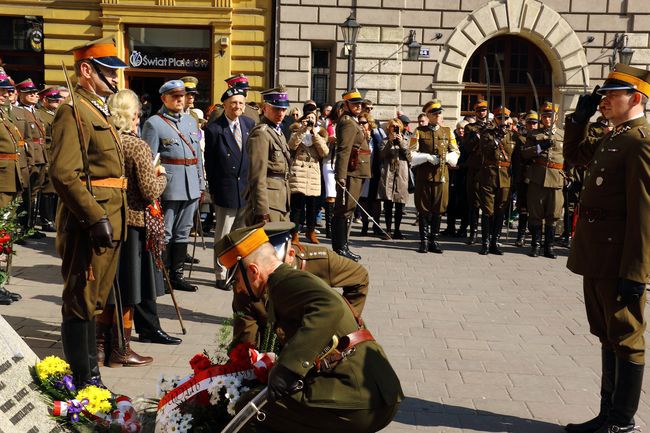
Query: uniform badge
x,y
599,181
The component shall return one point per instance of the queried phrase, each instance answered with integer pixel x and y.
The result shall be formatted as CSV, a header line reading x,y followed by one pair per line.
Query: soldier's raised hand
x,y
101,235
587,106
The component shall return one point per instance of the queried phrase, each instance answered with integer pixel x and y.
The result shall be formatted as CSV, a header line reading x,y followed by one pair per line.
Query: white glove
x,y
418,158
452,159
433,159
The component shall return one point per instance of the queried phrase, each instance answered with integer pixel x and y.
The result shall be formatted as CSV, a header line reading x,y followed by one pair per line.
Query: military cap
x,y
51,93
232,91
434,106
276,97
353,96
26,86
501,110
239,243
101,51
404,119
239,81
5,82
532,116
279,234
480,104
625,77
308,107
190,84
548,107
172,86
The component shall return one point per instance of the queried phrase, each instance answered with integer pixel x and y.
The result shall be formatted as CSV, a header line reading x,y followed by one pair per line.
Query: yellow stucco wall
x,y
246,24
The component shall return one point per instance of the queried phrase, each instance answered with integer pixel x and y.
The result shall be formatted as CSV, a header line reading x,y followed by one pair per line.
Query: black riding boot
x,y
485,234
388,216
74,337
399,212
340,239
495,233
473,226
536,239
353,256
607,379
93,362
625,400
549,238
47,204
422,224
177,257
434,230
521,230
329,207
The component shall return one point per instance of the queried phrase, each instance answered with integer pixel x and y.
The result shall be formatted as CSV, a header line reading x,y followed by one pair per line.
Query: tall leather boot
x,y
74,337
607,380
521,230
126,358
93,362
434,231
388,216
496,223
102,341
353,256
177,257
549,239
485,235
340,238
473,226
536,239
625,400
422,223
329,208
399,212
47,204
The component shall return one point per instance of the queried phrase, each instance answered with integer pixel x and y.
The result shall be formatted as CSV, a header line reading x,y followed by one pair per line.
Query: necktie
x,y
237,133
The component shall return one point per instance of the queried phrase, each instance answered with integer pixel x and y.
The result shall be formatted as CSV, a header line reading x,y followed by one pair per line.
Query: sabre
x,y
349,194
503,122
487,78
532,84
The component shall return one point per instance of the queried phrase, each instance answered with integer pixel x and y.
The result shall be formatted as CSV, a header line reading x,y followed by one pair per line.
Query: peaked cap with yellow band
x,y
532,116
480,104
102,51
501,110
625,77
190,84
353,96
434,106
239,243
549,107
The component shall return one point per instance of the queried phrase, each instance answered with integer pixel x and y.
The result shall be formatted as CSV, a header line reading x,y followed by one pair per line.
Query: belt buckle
x,y
187,162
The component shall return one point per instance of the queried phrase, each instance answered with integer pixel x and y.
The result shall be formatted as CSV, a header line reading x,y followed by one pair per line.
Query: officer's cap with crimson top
x,y
101,51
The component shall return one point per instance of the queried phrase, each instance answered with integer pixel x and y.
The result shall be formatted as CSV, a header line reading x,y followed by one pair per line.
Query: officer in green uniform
x,y
352,389
191,92
92,202
432,147
335,270
471,146
496,145
521,174
351,168
545,199
611,248
269,163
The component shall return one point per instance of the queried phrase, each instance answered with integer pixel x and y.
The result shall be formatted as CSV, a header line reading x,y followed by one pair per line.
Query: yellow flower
x,y
52,366
98,399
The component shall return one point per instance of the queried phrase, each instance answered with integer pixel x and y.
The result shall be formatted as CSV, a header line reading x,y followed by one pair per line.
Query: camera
x,y
310,123
396,129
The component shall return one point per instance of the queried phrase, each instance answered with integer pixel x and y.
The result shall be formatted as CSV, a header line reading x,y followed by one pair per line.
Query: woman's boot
x,y
126,357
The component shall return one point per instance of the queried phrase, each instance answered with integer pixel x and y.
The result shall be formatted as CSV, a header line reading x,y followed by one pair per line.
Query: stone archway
x,y
530,19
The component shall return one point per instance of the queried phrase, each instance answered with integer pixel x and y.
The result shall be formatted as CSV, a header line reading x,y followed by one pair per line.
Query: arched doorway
x,y
518,58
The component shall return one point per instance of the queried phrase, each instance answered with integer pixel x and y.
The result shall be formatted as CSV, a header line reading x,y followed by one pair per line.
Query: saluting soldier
x,y
471,146
91,220
354,389
612,239
335,270
352,167
268,191
521,174
175,136
545,200
50,101
432,147
32,129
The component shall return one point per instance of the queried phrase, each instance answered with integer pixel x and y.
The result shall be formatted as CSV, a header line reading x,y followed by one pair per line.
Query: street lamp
x,y
619,46
350,30
413,46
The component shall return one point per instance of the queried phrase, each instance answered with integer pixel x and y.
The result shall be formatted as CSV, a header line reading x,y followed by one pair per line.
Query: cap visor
x,y
279,104
111,62
354,100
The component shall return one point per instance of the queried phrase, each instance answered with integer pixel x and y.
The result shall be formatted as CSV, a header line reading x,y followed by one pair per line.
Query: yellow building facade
x,y
158,39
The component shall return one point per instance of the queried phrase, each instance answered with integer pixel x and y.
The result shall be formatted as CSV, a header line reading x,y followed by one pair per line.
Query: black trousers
x,y
303,209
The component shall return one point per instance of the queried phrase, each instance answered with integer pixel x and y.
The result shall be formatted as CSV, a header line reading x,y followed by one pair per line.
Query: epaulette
x,y
643,131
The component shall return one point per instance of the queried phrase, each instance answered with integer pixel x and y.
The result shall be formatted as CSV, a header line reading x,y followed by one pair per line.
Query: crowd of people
x,y
131,188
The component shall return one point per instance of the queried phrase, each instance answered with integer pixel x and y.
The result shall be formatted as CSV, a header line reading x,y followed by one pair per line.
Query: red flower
x,y
240,355
200,362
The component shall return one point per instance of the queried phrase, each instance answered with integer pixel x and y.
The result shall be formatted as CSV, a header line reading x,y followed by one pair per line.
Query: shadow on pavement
x,y
47,274
168,312
45,245
43,338
418,412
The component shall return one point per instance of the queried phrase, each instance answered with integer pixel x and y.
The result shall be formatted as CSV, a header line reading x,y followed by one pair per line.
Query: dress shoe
x,y
311,237
398,235
190,259
37,235
14,296
159,337
48,227
5,299
223,285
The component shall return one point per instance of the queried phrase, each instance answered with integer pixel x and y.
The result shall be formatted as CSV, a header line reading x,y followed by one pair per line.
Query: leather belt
x,y
38,141
364,152
108,182
344,348
9,156
549,164
21,143
179,161
592,214
499,163
284,176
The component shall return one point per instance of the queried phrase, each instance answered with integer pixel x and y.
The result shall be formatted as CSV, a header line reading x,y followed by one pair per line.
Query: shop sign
x,y
141,60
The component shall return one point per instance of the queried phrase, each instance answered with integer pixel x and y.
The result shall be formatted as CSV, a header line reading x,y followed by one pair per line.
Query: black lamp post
x,y
620,47
350,29
413,46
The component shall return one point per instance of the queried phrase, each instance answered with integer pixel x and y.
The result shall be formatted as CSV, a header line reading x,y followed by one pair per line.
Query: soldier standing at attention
x,y
352,166
269,158
50,101
471,146
191,91
611,245
175,136
496,145
89,179
32,129
354,389
545,199
432,147
520,175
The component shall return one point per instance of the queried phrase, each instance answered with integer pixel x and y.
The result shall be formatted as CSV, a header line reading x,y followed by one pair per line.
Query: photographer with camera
x,y
308,146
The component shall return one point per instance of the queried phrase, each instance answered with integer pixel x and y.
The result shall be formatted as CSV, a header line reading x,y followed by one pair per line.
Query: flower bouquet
x,y
10,233
205,400
92,408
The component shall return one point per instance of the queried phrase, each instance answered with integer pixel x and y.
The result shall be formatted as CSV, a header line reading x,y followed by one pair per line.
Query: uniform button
x,y
609,239
602,169
595,161
233,168
305,364
238,178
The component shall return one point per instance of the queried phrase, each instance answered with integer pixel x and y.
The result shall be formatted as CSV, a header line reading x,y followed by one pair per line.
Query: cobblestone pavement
x,y
480,343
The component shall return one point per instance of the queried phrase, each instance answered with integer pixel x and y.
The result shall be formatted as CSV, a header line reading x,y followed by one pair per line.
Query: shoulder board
x,y
643,130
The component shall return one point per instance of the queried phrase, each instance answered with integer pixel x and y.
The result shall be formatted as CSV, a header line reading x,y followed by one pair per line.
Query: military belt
x,y
109,182
364,152
592,214
345,347
284,176
38,141
549,164
179,161
499,163
9,156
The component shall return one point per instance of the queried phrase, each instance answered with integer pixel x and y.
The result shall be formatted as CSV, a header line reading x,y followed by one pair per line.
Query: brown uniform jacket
x,y
33,130
351,144
496,152
47,117
10,181
546,169
438,140
79,208
334,270
612,237
471,144
268,173
520,167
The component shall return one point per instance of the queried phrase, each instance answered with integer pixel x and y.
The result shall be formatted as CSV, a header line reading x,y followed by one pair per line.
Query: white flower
x,y
231,408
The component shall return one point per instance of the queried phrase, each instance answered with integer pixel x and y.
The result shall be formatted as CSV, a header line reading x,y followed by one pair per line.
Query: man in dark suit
x,y
226,166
